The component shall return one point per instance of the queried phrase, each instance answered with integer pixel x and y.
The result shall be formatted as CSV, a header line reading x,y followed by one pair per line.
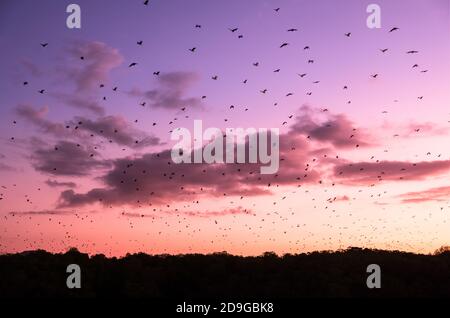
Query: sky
x,y
87,114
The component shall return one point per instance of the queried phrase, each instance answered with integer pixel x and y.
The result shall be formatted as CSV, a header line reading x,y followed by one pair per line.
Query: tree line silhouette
x,y
40,274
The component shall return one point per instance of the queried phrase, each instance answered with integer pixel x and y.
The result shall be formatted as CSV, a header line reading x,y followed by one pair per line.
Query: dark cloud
x,y
42,212
171,91
154,179
55,183
117,129
67,159
137,215
326,127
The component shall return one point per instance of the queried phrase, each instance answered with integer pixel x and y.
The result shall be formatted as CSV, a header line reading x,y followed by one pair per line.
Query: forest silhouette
x,y
40,274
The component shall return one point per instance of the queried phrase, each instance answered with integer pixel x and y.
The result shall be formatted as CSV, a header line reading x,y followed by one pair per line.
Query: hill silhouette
x,y
39,274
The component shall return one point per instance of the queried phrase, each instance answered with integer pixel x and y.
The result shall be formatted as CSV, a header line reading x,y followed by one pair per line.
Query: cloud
x,y
42,212
37,117
99,60
208,214
171,91
341,198
372,172
117,129
424,130
55,183
415,129
154,179
5,167
137,215
202,214
433,194
67,159
335,129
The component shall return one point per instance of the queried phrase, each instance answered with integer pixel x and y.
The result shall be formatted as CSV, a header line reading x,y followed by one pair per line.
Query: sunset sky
x,y
85,138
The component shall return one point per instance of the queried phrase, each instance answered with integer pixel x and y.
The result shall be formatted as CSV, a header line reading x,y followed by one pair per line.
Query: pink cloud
x,y
433,194
373,172
202,214
98,61
37,117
